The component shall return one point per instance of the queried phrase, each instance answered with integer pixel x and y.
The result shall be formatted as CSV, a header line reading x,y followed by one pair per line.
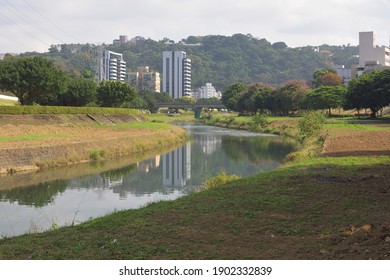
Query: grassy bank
x,y
317,208
19,110
31,142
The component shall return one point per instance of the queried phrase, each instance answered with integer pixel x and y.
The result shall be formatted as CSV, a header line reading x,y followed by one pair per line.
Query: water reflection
x,y
126,186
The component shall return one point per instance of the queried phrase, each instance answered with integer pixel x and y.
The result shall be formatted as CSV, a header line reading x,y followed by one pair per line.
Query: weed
x,y
221,179
96,155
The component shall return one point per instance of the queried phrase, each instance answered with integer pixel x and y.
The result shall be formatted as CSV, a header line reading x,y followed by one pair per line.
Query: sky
x,y
34,25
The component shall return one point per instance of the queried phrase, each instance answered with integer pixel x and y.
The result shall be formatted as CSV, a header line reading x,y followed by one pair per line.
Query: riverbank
x,y
32,142
324,207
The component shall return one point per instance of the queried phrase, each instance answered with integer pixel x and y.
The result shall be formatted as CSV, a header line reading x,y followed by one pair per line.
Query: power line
x,y
15,41
23,29
30,21
52,22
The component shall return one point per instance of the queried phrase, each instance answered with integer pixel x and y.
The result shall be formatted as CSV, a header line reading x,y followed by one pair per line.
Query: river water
x,y
66,196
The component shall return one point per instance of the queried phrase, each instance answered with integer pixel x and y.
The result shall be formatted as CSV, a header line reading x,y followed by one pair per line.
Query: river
x,y
68,196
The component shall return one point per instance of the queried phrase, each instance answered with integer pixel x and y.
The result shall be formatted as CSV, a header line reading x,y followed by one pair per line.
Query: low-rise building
x,y
144,78
121,41
344,73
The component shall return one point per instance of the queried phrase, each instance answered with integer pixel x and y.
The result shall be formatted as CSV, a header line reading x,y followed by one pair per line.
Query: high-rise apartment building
x,y
369,53
176,74
113,67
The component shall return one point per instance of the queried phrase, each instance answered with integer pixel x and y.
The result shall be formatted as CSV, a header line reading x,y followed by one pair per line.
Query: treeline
x,y
370,91
220,60
37,80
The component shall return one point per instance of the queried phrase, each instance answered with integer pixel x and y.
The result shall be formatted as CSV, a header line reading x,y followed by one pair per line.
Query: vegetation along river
x,y
66,196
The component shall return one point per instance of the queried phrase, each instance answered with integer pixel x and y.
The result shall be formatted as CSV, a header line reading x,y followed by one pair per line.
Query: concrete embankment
x,y
6,97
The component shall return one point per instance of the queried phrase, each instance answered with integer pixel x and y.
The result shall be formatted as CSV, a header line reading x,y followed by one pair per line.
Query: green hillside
x,y
221,60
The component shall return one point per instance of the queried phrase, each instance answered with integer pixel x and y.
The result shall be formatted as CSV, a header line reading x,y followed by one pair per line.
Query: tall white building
x,y
113,67
176,74
207,91
370,53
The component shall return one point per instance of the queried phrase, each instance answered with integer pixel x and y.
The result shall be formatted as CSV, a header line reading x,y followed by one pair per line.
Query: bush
x,y
311,124
259,122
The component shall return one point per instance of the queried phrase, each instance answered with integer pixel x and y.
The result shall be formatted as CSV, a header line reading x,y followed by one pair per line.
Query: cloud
x,y
298,22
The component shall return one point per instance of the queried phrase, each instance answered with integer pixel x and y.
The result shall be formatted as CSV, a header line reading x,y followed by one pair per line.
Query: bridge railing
x,y
175,105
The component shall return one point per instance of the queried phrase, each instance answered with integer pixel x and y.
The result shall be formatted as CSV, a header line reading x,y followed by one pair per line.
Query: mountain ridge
x,y
217,59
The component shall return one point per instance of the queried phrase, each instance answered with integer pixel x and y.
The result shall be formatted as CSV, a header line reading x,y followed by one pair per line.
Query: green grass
x,y
143,125
349,163
356,127
21,110
296,204
33,137
4,102
293,212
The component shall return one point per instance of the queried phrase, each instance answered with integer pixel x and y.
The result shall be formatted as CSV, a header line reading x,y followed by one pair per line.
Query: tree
x,y
290,96
255,97
246,103
231,94
318,77
370,91
114,94
80,92
331,79
262,95
151,99
326,97
31,78
279,46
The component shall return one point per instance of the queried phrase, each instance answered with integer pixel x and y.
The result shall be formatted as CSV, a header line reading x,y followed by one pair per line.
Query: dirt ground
x,y
357,143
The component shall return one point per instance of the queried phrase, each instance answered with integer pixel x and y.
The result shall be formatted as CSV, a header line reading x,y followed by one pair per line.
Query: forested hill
x,y
221,60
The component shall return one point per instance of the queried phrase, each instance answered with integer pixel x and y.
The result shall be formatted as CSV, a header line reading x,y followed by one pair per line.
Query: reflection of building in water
x,y
209,144
147,165
176,166
112,183
188,157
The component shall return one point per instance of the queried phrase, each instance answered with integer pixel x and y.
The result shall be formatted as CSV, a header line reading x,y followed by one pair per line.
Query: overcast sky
x,y
34,25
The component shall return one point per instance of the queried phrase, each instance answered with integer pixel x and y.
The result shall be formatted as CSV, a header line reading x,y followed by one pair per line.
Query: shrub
x,y
96,155
259,122
230,120
311,124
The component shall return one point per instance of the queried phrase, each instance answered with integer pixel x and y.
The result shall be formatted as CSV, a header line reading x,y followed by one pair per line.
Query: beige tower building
x,y
145,79
370,53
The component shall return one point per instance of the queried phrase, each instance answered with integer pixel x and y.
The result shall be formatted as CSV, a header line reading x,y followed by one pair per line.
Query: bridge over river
x,y
196,107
